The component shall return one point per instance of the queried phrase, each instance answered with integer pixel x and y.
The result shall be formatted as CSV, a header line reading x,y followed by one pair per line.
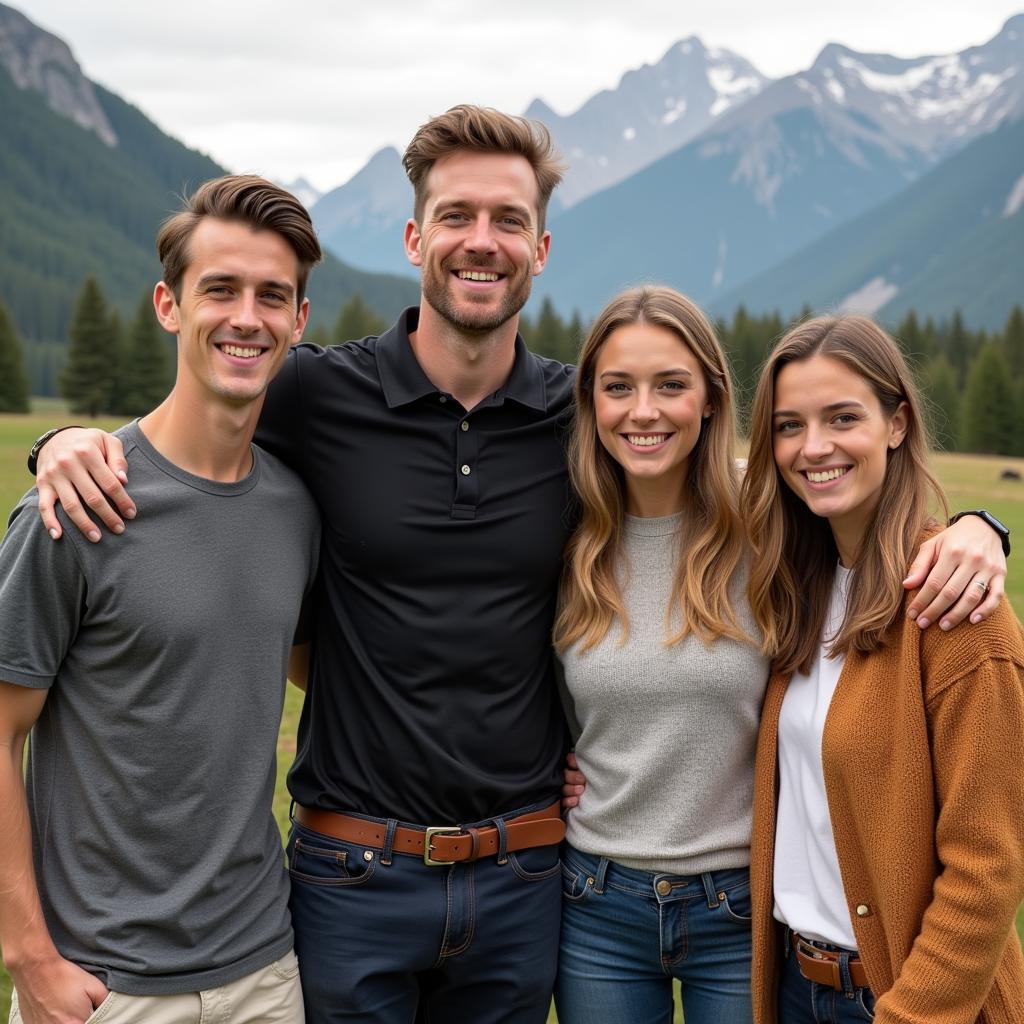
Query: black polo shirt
x,y
431,694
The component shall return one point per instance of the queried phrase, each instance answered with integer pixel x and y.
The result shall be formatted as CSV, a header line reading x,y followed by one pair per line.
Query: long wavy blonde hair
x,y
795,553
591,600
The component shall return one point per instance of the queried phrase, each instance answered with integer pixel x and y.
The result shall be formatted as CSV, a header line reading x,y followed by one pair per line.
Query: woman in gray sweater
x,y
663,677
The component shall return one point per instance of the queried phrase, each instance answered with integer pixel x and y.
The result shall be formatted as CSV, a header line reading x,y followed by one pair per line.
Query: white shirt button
x,y
465,425
466,471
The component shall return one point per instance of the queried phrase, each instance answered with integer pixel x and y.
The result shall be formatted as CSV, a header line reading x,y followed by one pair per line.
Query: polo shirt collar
x,y
403,380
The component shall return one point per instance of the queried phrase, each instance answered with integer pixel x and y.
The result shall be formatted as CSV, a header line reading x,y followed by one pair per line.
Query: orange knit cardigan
x,y
923,755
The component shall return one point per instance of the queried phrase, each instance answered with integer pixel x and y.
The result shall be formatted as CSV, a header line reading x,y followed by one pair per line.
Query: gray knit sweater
x,y
665,735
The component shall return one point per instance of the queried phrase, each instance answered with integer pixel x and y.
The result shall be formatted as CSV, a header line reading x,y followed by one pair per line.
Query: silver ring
x,y
981,585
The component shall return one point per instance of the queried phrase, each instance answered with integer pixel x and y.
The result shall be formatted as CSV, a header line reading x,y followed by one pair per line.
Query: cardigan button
x,y
863,910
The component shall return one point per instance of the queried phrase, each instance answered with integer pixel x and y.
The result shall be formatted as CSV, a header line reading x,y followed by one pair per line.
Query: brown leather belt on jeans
x,y
822,965
440,844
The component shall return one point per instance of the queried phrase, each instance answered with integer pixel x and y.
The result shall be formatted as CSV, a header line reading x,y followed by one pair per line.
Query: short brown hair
x,y
483,130
247,199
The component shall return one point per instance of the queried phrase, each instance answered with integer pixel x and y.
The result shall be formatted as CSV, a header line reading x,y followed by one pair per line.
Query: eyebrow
x,y
833,407
519,209
208,279
679,372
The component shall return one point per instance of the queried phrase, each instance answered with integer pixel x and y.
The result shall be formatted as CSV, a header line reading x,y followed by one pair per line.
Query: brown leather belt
x,y
822,965
440,844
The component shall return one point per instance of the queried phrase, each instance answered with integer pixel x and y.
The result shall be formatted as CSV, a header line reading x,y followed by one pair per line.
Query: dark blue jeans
x,y
398,942
805,1002
626,934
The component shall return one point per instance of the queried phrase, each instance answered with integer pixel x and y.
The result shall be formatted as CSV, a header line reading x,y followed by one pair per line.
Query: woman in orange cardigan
x,y
887,861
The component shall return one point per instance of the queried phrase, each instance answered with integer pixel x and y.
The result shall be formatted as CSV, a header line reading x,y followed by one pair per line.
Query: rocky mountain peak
x,y
37,60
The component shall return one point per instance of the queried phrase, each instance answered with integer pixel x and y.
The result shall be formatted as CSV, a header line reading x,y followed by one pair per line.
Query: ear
x,y
413,241
300,322
166,307
541,256
898,425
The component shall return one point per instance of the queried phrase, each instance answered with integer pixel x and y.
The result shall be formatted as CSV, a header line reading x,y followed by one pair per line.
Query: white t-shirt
x,y
809,895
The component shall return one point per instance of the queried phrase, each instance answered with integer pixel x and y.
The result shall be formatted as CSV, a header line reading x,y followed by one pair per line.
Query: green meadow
x,y
970,482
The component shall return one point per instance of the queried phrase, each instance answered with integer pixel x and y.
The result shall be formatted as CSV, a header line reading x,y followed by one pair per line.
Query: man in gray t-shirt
x,y
143,870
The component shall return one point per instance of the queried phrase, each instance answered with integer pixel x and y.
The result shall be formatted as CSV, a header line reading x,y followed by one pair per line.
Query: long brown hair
x,y
795,553
591,600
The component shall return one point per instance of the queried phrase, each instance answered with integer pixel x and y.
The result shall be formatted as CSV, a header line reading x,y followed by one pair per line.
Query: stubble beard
x,y
437,292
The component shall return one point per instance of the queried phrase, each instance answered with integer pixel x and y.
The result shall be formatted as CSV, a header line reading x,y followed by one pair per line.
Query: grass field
x,y
970,481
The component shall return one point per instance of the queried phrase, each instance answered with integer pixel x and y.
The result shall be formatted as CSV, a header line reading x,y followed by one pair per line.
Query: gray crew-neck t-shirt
x,y
152,767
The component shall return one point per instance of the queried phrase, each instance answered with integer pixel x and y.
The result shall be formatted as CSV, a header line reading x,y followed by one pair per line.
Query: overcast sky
x,y
315,87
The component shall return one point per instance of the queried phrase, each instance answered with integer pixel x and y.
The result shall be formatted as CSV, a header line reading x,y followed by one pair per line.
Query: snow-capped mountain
x,y
655,109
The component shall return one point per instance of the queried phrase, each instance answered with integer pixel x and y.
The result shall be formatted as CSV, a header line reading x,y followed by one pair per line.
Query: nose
x,y
817,443
481,235
643,410
245,316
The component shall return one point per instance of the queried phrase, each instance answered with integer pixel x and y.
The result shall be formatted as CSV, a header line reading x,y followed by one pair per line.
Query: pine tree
x,y
913,340
989,416
118,363
147,378
14,390
1013,342
319,335
549,336
88,378
942,399
356,320
958,345
577,333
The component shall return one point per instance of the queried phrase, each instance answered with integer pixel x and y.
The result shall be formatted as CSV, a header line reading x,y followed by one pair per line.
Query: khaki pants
x,y
268,996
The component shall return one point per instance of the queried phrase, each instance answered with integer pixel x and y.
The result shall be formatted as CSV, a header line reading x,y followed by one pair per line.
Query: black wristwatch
x,y
1001,528
33,455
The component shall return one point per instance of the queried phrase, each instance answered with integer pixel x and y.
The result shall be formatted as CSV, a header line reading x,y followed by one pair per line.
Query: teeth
x,y
477,275
646,440
242,352
830,474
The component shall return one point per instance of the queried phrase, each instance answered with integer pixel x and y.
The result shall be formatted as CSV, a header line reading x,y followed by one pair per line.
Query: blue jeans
x,y
626,934
389,940
805,1002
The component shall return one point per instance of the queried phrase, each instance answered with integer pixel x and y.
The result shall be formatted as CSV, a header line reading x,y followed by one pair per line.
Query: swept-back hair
x,y
712,545
795,553
483,130
246,199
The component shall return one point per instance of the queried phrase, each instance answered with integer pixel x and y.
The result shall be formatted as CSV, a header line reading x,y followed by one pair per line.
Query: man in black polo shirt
x,y
436,455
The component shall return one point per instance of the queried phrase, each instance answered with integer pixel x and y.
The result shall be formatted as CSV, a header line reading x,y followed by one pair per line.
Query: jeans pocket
x,y
576,884
736,904
536,863
317,863
866,1002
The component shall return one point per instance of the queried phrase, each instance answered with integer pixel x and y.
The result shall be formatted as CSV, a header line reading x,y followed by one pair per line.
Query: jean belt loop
x,y
602,870
844,975
502,841
710,891
389,842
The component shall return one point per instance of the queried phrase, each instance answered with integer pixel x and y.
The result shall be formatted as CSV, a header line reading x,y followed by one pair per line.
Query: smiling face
x,y
238,313
831,443
650,398
478,243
